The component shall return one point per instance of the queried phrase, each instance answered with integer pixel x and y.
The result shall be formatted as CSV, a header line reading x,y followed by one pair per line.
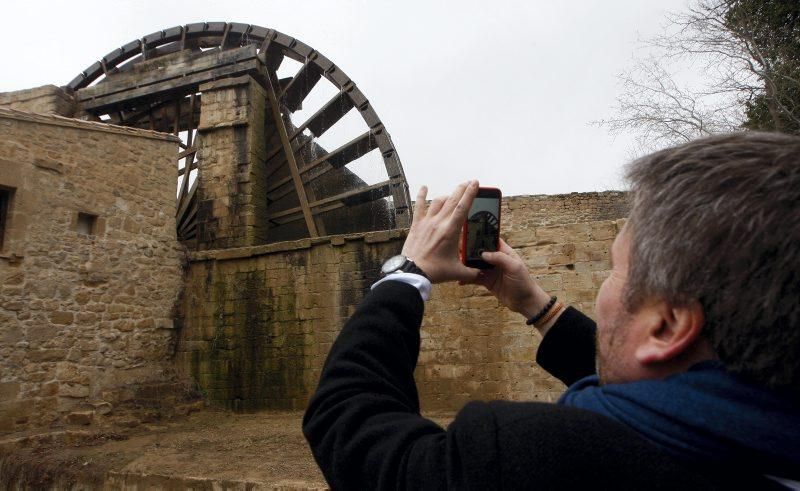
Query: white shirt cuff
x,y
421,283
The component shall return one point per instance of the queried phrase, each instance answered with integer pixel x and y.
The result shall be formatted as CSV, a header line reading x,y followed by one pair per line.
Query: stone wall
x,y
90,267
257,322
47,99
561,209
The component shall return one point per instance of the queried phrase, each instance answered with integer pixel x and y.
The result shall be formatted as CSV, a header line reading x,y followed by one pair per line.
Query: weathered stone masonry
x,y
83,315
257,322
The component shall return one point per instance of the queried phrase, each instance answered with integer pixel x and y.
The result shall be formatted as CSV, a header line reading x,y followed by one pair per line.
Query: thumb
x,y
499,259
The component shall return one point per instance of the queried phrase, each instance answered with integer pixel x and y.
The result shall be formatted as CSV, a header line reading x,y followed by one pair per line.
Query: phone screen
x,y
482,229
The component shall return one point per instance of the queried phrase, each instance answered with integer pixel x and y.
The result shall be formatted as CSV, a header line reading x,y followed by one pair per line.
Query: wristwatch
x,y
401,263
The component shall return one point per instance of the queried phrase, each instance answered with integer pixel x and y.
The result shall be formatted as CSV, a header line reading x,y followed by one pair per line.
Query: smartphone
x,y
481,231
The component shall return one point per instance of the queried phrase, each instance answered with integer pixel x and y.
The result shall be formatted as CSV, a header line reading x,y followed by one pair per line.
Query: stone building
x,y
89,263
113,290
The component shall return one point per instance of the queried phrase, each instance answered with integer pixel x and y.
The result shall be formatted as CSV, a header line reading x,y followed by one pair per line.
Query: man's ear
x,y
675,334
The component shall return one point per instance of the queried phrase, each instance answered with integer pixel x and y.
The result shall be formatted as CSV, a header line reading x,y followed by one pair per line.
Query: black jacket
x,y
366,432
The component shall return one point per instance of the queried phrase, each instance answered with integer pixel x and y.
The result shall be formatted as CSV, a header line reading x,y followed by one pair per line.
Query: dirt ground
x,y
266,449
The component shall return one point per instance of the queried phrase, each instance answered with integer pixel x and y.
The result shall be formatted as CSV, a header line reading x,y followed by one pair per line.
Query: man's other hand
x,y
432,241
510,282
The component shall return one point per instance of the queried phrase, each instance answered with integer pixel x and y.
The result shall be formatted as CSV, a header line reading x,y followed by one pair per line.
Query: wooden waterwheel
x,y
331,166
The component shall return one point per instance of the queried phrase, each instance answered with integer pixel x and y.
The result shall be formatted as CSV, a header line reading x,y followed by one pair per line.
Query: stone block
x,y
9,391
44,355
83,418
13,414
62,318
73,391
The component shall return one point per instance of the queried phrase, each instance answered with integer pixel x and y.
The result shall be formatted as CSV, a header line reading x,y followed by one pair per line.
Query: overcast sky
x,y
501,91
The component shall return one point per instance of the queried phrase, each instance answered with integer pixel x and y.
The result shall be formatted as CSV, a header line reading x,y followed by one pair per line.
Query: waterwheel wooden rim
x,y
271,47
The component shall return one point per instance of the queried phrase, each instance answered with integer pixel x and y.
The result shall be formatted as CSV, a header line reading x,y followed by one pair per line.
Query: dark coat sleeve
x,y
568,348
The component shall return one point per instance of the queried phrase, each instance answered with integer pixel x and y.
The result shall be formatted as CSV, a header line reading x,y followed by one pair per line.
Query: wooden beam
x,y
183,208
167,68
192,166
177,115
158,115
327,116
360,195
188,154
190,130
350,151
355,196
177,86
188,221
225,35
293,218
290,157
301,85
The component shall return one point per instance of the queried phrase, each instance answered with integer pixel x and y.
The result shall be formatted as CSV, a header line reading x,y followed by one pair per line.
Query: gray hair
x,y
717,221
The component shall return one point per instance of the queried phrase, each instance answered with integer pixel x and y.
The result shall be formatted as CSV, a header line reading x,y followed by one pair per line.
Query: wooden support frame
x,y
290,157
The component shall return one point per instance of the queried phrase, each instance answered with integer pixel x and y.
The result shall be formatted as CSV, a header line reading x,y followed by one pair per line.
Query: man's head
x,y
708,264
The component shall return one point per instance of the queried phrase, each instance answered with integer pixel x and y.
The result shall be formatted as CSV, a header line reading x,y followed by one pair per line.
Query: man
x,y
696,346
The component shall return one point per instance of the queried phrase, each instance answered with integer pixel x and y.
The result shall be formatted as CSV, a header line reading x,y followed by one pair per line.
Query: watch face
x,y
393,264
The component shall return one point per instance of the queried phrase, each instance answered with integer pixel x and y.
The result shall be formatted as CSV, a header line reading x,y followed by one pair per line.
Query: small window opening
x,y
87,223
5,205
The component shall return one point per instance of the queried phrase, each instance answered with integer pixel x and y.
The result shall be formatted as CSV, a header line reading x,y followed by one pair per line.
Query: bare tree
x,y
731,71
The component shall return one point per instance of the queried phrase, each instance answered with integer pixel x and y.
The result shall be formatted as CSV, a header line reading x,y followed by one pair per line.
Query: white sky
x,y
501,91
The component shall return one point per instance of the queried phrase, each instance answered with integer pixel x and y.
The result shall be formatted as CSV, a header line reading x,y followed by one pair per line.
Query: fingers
x,y
436,205
457,203
421,204
454,198
465,201
510,251
504,247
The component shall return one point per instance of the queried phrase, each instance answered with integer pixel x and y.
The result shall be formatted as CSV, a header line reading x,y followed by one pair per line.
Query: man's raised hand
x,y
432,242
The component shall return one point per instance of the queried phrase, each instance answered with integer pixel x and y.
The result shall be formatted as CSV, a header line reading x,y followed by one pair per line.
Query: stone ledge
x,y
293,245
86,125
586,194
25,95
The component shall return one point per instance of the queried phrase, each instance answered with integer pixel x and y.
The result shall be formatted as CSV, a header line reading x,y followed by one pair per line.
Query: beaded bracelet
x,y
550,315
542,312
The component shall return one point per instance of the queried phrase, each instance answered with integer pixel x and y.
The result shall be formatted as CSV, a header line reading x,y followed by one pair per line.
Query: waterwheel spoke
x,y
189,153
322,120
350,151
349,198
290,155
327,116
190,197
301,85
